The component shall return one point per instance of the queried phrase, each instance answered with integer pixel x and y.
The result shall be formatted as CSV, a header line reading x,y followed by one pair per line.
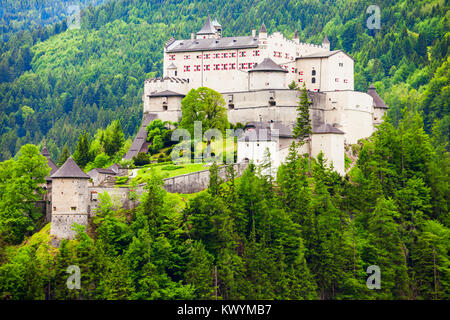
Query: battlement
x,y
170,79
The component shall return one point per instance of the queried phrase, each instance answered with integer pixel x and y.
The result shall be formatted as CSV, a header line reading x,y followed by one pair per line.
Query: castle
x,y
252,73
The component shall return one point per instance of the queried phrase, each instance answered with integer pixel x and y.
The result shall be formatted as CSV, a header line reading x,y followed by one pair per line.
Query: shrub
x,y
141,159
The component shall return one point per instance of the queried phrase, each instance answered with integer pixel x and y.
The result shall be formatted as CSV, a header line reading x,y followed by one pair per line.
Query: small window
x,y
313,72
164,107
73,208
341,64
176,73
313,80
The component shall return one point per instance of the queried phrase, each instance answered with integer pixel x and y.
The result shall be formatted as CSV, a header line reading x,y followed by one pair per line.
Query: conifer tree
x,y
65,154
82,155
303,130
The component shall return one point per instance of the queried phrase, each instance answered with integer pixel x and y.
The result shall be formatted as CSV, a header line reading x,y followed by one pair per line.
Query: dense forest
x,y
56,83
296,236
31,14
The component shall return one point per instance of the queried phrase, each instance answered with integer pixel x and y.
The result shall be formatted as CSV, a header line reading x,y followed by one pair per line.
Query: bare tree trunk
x,y
309,156
215,281
434,271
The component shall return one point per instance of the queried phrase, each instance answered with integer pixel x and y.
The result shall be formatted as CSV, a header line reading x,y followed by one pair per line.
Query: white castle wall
x,y
332,145
167,108
352,111
332,73
267,80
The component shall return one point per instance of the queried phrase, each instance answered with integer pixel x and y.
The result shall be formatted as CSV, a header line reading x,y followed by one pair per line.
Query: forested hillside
x,y
55,82
16,15
298,236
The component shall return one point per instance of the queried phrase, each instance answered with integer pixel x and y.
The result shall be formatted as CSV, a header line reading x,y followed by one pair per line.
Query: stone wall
x,y
61,226
119,196
198,181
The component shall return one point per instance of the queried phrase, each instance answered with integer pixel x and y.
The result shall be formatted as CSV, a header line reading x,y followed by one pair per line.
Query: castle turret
x,y
218,27
296,37
262,31
70,199
379,107
326,43
267,75
208,30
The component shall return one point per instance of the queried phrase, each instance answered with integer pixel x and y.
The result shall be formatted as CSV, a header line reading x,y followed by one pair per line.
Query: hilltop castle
x,y
253,74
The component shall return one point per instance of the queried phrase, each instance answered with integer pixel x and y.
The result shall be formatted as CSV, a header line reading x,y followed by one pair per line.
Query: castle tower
x,y
267,75
208,30
70,199
263,32
326,43
379,107
329,140
218,27
296,38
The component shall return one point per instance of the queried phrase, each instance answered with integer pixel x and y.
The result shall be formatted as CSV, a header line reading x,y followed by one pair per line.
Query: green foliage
x,y
20,186
82,154
206,106
141,159
303,129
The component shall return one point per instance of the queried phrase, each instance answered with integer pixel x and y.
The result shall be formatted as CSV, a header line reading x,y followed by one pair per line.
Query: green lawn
x,y
169,170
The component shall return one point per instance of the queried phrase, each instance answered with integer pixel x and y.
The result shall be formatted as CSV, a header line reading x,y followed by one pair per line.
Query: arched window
x,y
313,72
313,80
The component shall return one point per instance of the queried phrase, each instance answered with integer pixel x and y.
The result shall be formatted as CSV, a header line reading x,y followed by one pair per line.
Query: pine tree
x,y
199,270
303,130
65,154
82,155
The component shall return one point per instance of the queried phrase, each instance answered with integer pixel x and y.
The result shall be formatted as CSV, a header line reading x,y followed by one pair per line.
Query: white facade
x,y
253,74
332,146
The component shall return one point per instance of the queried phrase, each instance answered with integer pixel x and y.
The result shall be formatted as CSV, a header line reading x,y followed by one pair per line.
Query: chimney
x,y
192,36
253,33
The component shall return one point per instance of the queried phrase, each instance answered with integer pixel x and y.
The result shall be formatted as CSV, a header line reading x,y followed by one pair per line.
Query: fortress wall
x,y
198,181
265,80
332,145
61,225
342,72
353,111
119,196
159,84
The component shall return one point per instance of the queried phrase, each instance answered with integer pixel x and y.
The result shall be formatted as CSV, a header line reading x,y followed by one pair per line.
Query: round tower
x,y
70,199
267,75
